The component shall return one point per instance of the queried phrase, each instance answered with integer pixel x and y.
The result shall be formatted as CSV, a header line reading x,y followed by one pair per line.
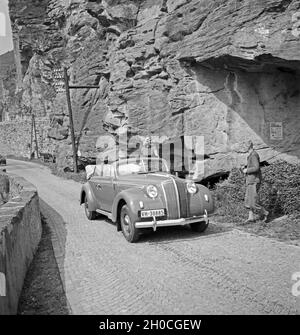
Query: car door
x,y
104,187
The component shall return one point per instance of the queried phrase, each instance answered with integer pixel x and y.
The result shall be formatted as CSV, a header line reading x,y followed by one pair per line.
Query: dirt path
x,y
173,271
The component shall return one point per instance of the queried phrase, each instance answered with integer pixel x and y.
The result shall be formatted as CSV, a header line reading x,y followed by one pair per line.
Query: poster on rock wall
x,y
276,131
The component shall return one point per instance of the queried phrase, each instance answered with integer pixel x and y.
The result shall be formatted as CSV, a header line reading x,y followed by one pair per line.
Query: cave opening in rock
x,y
214,179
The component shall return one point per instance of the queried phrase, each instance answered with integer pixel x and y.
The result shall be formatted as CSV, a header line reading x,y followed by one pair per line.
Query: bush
x,y
229,196
281,187
279,193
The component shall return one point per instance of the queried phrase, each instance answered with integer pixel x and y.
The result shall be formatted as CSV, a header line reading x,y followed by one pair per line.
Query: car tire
x,y
130,232
199,227
91,215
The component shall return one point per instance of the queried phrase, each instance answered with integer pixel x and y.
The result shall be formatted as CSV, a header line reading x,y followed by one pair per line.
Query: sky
x,y
5,29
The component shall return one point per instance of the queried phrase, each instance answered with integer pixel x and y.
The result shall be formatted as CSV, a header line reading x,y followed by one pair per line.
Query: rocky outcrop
x,y
7,82
225,70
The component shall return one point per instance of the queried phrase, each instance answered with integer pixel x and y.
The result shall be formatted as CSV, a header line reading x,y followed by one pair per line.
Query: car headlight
x,y
191,187
152,191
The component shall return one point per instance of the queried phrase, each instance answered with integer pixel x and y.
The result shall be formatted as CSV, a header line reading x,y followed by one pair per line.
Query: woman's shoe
x,y
265,217
249,221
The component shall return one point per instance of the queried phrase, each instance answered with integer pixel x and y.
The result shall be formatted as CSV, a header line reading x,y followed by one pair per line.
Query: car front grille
x,y
176,196
171,199
183,199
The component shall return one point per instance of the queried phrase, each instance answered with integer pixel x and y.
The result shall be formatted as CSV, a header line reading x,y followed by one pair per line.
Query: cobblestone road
x,y
173,271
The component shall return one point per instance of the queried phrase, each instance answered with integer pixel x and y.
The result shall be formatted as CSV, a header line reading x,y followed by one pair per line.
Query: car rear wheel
x,y
128,229
91,215
199,227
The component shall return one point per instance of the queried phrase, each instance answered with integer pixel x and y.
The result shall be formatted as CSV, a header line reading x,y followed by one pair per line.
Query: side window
x,y
98,170
112,171
106,170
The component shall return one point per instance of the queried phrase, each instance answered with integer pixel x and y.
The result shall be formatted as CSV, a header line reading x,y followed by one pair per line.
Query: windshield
x,y
140,166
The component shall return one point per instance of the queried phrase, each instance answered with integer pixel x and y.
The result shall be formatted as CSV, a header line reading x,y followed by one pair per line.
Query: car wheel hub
x,y
127,223
86,207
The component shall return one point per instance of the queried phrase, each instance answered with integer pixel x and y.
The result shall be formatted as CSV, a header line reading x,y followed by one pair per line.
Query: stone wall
x,y
15,137
20,233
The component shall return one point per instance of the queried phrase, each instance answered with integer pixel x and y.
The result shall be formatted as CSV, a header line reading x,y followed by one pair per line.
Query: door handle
x,y
99,187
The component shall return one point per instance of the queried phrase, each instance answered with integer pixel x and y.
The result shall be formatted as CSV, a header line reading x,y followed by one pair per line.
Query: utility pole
x,y
35,136
71,119
33,130
31,138
61,83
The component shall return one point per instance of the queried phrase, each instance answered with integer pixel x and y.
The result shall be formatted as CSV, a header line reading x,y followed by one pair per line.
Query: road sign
x,y
276,132
61,83
68,96
58,80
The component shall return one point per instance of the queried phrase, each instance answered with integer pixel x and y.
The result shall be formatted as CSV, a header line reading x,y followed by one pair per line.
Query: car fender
x,y
209,205
131,197
86,189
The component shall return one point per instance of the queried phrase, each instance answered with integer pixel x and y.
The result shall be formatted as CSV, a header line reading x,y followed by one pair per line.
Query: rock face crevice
x,y
225,70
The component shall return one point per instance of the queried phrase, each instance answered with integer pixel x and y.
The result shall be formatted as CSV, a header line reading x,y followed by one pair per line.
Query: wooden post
x,y
35,137
66,77
31,137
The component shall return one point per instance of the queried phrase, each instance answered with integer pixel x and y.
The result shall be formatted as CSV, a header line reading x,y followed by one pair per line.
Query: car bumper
x,y
177,222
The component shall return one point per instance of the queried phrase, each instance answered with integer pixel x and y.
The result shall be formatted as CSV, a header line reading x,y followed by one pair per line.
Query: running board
x,y
109,215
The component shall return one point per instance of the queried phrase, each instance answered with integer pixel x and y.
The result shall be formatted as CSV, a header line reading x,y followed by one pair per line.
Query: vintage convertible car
x,y
140,193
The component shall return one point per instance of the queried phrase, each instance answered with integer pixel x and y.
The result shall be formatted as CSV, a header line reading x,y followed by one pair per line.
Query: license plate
x,y
153,212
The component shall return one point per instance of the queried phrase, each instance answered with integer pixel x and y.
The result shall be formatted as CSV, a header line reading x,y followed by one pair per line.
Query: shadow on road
x,y
43,291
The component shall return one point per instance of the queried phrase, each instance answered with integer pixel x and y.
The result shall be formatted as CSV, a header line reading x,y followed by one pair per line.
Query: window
x,y
146,165
130,168
2,25
106,170
98,170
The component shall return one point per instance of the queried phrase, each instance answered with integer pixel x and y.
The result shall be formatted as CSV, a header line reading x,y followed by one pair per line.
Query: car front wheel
x,y
91,215
128,229
199,227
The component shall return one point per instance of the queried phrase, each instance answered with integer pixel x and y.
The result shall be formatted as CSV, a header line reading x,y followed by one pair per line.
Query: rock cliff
x,y
227,70
7,82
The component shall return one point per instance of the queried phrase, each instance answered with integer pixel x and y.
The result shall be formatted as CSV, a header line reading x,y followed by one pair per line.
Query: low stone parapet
x,y
20,234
